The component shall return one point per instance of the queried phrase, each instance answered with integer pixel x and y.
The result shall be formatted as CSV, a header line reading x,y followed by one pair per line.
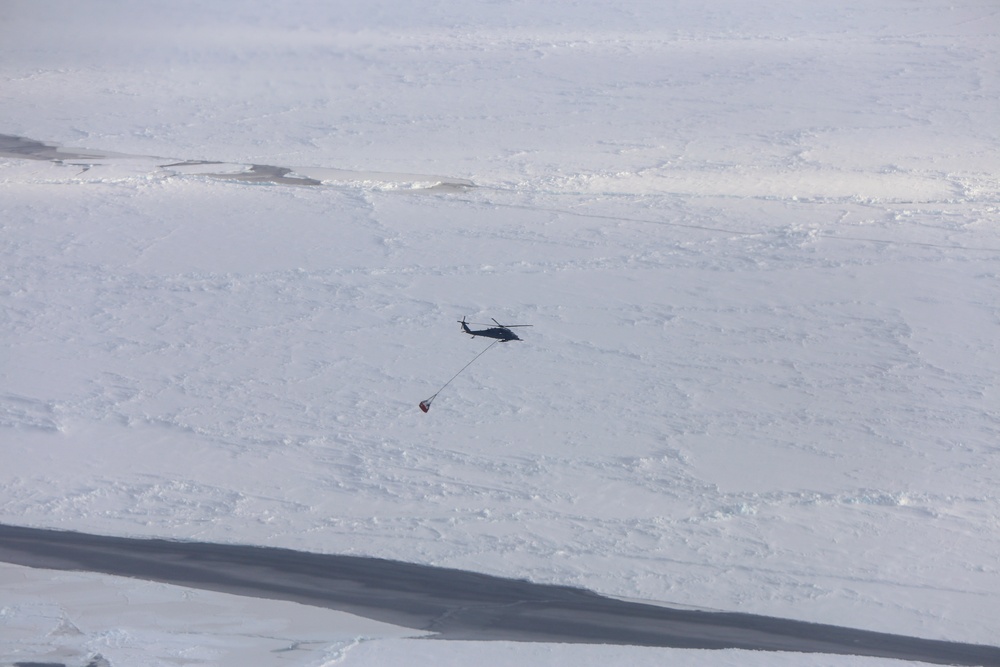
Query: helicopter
x,y
502,332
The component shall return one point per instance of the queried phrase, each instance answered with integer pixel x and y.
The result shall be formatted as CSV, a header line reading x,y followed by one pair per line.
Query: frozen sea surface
x,y
758,245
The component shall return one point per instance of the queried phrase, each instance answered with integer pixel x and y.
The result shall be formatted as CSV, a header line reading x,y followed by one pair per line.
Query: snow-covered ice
x,y
64,616
757,243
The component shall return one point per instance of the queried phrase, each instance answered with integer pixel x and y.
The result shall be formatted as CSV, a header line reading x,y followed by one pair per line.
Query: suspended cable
x,y
425,404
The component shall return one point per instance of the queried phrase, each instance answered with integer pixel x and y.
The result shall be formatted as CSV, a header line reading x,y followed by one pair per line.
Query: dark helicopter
x,y
502,332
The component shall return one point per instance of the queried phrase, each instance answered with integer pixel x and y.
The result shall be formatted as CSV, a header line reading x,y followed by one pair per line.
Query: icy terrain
x,y
757,243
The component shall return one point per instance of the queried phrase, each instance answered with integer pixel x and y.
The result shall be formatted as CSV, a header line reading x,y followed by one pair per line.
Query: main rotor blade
x,y
508,326
503,326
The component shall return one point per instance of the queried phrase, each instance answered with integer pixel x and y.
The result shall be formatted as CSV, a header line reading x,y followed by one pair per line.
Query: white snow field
x,y
757,243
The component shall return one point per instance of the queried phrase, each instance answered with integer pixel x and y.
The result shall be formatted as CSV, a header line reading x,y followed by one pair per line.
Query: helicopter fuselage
x,y
502,334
